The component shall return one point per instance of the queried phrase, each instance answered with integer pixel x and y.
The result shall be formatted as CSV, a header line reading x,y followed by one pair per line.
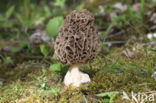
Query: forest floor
x,y
123,72
123,69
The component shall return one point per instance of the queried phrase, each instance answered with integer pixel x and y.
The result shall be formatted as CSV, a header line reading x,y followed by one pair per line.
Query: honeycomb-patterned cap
x,y
78,40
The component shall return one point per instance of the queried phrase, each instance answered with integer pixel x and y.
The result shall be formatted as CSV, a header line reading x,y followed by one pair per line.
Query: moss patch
x,y
34,83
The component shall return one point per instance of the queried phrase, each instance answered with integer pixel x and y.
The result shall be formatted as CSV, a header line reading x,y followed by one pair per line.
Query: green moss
x,y
71,96
29,83
106,82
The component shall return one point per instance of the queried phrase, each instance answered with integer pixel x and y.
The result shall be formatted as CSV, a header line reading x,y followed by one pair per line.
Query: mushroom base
x,y
75,77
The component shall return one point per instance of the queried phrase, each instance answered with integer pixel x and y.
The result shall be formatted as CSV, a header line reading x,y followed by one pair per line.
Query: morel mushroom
x,y
77,43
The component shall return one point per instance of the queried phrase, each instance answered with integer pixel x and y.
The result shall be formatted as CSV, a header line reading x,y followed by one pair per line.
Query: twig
x,y
35,57
115,34
114,42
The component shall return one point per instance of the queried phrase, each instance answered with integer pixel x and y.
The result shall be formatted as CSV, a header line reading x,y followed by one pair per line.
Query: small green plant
x,y
32,15
55,91
42,81
44,49
81,6
4,19
55,67
108,96
17,88
21,46
15,49
53,26
9,12
143,8
8,60
59,68
59,3
152,49
47,11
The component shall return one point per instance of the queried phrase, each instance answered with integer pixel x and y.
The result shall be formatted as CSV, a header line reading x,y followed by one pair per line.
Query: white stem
x,y
75,77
